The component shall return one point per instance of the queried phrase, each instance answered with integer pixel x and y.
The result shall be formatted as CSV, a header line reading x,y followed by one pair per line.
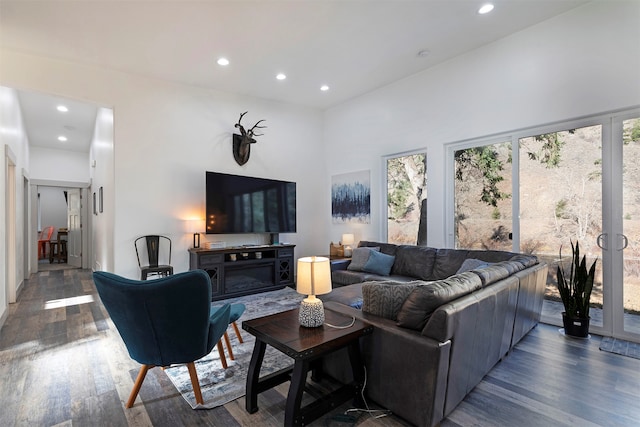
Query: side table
x,y
305,345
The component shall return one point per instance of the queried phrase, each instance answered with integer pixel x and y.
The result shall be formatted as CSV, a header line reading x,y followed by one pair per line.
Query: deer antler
x,y
252,132
239,126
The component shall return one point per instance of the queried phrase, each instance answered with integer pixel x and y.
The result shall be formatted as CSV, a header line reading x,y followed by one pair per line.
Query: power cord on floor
x,y
380,412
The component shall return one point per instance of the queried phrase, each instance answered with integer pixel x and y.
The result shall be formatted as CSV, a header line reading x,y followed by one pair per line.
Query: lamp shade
x,y
348,239
195,226
314,276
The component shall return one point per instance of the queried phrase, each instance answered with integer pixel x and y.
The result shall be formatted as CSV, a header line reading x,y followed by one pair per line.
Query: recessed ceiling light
x,y
281,76
423,53
223,61
62,138
62,108
324,88
486,8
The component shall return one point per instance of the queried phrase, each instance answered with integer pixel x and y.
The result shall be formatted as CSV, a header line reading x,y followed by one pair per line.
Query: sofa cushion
x,y
471,264
424,300
525,260
359,258
511,266
346,277
447,262
385,248
414,261
379,263
384,299
491,274
347,295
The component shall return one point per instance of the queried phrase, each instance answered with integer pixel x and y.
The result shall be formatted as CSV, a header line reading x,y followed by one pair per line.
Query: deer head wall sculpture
x,y
242,143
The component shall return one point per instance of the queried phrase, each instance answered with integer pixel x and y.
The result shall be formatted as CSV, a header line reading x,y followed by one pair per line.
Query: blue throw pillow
x,y
359,258
379,263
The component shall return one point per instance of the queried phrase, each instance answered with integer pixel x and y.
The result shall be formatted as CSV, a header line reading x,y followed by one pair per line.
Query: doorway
x,y
64,209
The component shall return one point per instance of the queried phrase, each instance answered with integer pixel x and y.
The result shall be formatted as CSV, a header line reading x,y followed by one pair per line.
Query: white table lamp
x,y
314,278
347,241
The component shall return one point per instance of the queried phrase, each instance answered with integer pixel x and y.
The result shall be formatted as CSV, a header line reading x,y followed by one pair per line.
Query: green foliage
x,y
632,134
485,161
401,199
575,290
397,200
549,152
561,209
495,214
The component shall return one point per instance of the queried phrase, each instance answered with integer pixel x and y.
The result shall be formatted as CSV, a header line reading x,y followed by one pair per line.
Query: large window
x,y
407,199
483,197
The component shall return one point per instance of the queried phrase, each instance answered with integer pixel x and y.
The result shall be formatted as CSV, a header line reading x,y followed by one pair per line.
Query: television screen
x,y
242,204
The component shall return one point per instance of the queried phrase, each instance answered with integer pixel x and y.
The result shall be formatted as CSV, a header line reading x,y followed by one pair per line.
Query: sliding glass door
x,y
627,243
560,195
577,181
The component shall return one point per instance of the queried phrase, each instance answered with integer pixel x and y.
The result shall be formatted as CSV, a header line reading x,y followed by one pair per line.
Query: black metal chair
x,y
157,252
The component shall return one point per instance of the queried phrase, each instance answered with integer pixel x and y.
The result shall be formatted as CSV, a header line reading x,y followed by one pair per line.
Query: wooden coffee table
x,y
305,345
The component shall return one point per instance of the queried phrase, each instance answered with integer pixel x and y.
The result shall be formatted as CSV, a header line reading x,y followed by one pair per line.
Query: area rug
x,y
618,346
220,386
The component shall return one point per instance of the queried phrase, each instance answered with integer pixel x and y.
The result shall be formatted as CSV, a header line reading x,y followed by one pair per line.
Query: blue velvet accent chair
x,y
164,321
236,311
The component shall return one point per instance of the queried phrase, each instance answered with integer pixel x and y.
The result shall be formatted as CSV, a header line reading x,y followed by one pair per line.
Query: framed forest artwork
x,y
351,198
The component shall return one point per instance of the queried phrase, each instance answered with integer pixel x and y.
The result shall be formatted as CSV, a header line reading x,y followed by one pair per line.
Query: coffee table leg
x,y
253,376
357,367
294,398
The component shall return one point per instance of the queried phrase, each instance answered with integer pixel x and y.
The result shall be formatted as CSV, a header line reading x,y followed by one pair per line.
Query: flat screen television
x,y
243,204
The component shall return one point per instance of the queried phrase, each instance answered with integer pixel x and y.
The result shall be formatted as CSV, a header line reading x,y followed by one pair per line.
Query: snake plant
x,y
575,290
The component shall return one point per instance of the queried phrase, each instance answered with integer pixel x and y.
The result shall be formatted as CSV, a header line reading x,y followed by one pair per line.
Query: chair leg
x,y
223,359
228,343
138,384
194,382
235,328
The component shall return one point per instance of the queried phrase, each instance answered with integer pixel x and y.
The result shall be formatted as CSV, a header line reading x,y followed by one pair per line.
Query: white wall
x,y
101,224
165,137
580,63
58,165
13,138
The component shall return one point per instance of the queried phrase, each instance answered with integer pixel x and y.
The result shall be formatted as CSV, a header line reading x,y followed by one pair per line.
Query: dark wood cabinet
x,y
244,270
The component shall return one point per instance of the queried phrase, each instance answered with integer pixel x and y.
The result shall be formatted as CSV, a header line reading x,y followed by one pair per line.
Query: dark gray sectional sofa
x,y
438,330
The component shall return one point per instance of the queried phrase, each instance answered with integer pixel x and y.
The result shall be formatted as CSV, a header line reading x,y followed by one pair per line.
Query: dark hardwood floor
x,y
62,363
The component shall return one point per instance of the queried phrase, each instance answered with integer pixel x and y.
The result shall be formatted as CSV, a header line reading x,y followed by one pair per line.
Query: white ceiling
x,y
44,123
352,46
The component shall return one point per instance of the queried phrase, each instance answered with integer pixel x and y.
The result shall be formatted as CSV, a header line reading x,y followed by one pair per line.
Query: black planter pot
x,y
576,327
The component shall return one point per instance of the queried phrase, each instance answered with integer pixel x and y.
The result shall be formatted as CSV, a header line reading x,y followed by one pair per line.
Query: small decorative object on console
x,y
215,245
336,250
314,278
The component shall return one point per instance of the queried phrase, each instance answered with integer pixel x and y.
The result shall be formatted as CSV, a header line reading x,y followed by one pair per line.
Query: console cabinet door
x,y
213,264
285,266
